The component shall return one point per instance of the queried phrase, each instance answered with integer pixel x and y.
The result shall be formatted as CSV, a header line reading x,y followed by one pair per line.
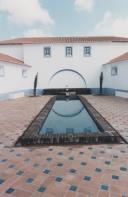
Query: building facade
x,y
61,63
116,76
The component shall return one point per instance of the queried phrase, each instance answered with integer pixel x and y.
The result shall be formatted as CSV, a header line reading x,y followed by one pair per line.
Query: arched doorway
x,y
67,78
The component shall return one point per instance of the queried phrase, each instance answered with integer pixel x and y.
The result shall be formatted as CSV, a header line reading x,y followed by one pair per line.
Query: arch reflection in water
x,y
68,116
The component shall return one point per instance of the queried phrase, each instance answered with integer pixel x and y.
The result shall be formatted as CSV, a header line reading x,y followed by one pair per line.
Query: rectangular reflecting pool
x,y
68,120
68,116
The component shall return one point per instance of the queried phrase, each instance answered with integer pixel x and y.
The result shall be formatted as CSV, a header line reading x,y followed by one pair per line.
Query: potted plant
x,y
101,83
35,85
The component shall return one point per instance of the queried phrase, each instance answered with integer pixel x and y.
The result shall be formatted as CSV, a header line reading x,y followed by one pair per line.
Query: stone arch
x,y
67,78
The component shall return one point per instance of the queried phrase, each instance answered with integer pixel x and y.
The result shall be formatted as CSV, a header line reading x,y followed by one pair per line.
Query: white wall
x,y
13,50
88,67
66,77
12,79
119,81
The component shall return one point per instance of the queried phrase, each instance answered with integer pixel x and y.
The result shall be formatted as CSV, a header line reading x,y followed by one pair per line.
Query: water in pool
x,y
68,116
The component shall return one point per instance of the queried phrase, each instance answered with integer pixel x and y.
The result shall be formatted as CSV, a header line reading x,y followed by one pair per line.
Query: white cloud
x,y
85,5
26,12
35,32
112,25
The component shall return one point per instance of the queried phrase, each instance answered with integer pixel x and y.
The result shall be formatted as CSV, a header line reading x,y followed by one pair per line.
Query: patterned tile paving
x,y
16,115
92,179
114,110
60,171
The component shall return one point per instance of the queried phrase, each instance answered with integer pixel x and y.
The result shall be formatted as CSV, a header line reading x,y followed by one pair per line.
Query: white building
x,y
116,76
61,63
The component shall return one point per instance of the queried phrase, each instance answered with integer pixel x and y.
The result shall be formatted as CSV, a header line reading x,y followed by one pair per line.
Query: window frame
x,y
24,75
112,71
2,70
66,51
85,51
45,54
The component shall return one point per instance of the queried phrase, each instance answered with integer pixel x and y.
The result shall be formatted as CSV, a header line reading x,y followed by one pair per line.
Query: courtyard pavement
x,y
114,110
62,171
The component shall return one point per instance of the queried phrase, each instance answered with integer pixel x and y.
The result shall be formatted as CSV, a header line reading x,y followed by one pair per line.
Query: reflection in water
x,y
68,116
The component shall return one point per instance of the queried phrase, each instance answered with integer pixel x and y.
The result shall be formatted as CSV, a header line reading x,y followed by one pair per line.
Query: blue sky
x,y
20,18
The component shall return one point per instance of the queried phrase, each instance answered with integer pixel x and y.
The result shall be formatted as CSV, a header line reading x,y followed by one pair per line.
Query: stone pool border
x,y
31,135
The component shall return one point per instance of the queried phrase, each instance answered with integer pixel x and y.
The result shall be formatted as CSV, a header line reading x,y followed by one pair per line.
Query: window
x,y
24,73
1,71
47,51
87,51
68,51
114,71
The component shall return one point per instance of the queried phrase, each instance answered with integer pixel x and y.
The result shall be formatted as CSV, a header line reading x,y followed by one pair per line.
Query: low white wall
x,y
16,95
121,94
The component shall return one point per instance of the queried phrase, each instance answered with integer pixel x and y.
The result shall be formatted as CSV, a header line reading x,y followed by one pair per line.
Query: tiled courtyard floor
x,y
57,171
16,115
114,110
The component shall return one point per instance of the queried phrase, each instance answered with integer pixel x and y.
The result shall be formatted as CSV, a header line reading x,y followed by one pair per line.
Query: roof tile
x,y
45,40
123,57
10,59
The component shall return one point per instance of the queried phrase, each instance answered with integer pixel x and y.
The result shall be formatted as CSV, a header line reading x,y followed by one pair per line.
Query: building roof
x,y
10,59
123,57
39,40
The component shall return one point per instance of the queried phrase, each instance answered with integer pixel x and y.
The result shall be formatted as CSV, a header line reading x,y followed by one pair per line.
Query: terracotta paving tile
x,y
57,189
114,195
103,194
81,195
70,194
21,193
37,194
119,189
72,179
90,191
